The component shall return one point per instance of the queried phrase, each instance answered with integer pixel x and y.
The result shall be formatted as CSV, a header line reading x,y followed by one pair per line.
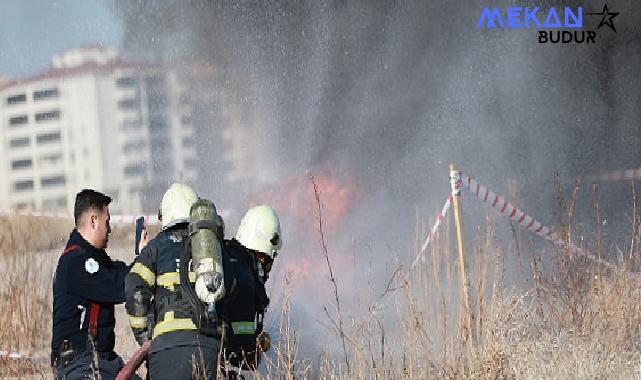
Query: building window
x,y
21,164
19,142
126,82
131,124
191,164
60,202
49,115
54,203
51,159
18,120
134,170
157,124
188,142
24,206
184,98
127,104
16,99
23,185
48,137
49,93
133,146
52,181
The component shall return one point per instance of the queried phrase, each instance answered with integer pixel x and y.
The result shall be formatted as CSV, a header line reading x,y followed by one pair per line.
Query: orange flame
x,y
294,201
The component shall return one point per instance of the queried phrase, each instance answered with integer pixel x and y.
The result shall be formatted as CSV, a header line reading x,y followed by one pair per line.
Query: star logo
x,y
606,18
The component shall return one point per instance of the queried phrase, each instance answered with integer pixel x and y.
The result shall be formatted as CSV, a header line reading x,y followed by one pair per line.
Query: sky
x,y
31,31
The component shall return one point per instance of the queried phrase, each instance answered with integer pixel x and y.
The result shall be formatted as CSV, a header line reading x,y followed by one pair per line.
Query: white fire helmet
x,y
176,204
260,231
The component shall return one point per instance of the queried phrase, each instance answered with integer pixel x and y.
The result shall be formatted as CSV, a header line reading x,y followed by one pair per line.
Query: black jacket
x,y
153,289
243,306
86,275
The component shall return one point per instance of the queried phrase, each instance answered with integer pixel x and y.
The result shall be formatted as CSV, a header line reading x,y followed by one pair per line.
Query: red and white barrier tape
x,y
150,219
617,175
14,355
504,207
131,219
59,215
527,221
497,202
430,236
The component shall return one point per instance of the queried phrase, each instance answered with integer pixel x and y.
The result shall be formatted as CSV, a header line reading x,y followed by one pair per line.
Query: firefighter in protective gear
x,y
157,303
175,205
248,257
259,232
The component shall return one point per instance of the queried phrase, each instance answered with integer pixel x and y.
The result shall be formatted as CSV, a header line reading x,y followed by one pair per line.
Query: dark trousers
x,y
171,356
109,364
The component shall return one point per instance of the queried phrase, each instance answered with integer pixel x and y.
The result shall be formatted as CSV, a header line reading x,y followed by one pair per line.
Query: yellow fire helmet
x,y
260,231
176,204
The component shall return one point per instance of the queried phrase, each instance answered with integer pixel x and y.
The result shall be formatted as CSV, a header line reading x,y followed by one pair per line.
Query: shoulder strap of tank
x,y
261,299
187,291
205,325
200,224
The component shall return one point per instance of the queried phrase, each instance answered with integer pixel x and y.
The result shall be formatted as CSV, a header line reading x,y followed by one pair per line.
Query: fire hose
x,y
134,362
126,373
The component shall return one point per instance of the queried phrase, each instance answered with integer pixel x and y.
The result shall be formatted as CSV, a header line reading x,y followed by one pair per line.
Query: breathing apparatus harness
x,y
203,251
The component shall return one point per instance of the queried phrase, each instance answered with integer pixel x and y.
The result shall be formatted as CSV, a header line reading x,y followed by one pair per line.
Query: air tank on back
x,y
205,230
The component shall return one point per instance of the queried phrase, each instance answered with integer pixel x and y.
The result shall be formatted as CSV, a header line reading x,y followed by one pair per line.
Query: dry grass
x,y
28,234
29,251
552,315
564,318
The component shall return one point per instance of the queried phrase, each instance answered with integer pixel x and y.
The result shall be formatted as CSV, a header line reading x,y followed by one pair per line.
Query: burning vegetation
x,y
293,197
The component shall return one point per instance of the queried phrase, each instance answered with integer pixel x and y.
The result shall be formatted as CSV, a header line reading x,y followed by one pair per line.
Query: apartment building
x,y
93,120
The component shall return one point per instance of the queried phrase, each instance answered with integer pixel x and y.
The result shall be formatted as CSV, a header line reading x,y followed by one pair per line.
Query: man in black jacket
x,y
86,286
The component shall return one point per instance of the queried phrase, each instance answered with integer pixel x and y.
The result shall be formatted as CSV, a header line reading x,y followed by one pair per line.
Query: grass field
x,y
565,317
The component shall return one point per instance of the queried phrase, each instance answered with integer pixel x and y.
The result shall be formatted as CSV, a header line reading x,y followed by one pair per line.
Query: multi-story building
x,y
237,141
93,120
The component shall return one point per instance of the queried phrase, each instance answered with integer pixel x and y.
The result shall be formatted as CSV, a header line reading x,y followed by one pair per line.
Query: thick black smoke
x,y
390,92
394,90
